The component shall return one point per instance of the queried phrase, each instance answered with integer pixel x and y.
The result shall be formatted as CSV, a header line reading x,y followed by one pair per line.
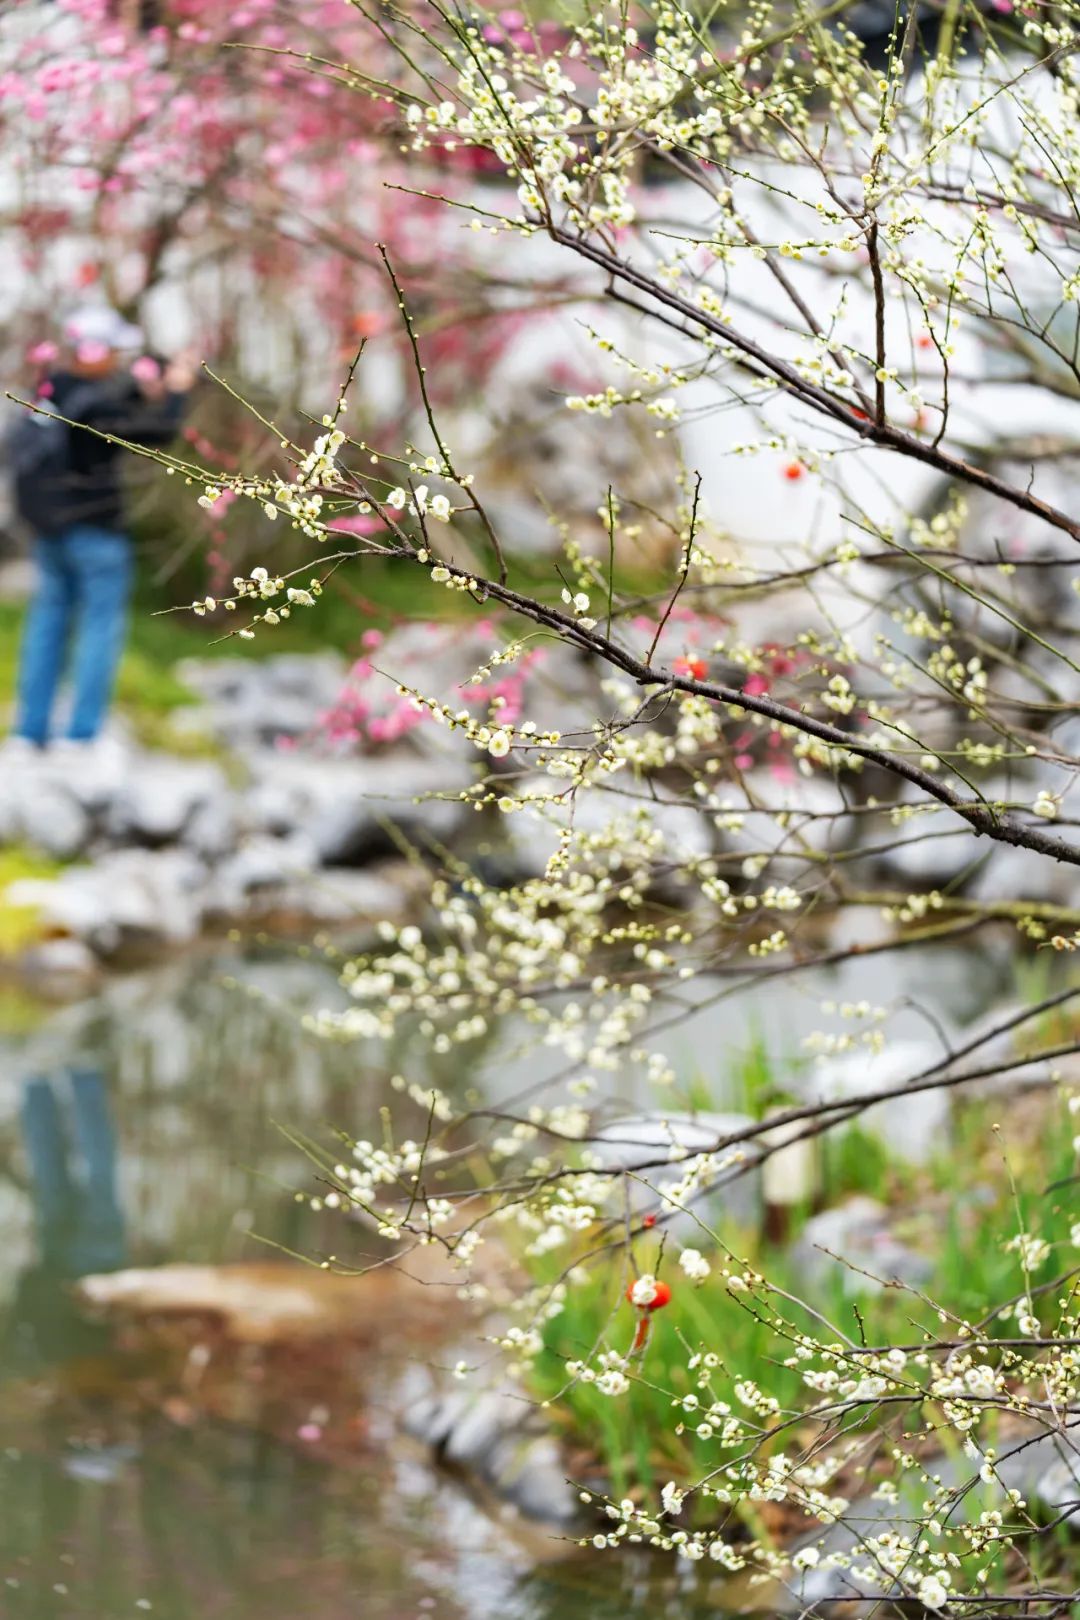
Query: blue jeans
x,y
80,607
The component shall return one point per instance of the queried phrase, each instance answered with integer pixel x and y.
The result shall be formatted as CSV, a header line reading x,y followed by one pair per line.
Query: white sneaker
x,y
19,754
99,761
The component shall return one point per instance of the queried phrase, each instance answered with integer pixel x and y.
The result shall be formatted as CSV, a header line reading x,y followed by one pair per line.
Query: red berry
x,y
648,1221
696,668
794,470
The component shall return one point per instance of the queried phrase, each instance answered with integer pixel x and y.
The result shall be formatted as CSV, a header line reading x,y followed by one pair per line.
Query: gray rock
x,y
343,894
61,962
104,1465
474,1432
127,896
155,894
352,829
274,803
530,525
1023,874
314,677
10,817
346,828
262,699
69,902
214,828
161,796
434,658
1057,1487
641,1139
94,775
915,1126
346,806
498,1437
858,1231
50,819
431,1417
260,863
535,1482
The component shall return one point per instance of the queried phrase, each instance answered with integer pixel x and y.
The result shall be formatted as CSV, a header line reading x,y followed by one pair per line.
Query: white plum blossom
x,y
644,1290
849,715
695,1265
933,1593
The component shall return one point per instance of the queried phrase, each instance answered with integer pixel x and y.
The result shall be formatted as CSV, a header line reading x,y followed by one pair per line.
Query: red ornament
x,y
661,1297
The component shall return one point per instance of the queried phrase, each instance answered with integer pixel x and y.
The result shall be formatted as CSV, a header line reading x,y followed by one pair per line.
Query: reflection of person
x,y
80,1225
79,1222
67,490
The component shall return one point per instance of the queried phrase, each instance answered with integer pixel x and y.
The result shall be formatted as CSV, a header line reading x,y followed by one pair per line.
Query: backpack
x,y
37,451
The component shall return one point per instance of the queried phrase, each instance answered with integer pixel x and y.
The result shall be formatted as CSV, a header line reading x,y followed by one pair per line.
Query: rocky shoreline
x,y
300,787
156,851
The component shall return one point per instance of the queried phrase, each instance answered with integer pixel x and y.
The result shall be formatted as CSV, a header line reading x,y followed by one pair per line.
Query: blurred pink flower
x,y
359,523
88,354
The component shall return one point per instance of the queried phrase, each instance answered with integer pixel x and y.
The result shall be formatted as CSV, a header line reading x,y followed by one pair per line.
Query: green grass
x,y
959,1212
20,926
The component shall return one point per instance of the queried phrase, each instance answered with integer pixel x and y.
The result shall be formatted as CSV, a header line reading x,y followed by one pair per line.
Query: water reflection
x,y
70,1150
142,1128
143,1125
221,1525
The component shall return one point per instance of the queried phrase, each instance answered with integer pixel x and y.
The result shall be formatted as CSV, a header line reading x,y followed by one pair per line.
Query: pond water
x,y
156,1110
156,1107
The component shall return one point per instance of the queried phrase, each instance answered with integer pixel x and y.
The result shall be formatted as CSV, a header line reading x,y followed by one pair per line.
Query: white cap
x,y
99,323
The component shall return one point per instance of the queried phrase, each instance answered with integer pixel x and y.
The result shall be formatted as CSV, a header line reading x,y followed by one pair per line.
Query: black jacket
x,y
89,489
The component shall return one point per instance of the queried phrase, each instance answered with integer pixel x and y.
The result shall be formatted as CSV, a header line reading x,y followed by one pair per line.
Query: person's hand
x,y
181,372
147,374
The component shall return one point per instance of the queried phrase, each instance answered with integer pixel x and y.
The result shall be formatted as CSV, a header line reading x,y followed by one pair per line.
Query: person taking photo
x,y
66,469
